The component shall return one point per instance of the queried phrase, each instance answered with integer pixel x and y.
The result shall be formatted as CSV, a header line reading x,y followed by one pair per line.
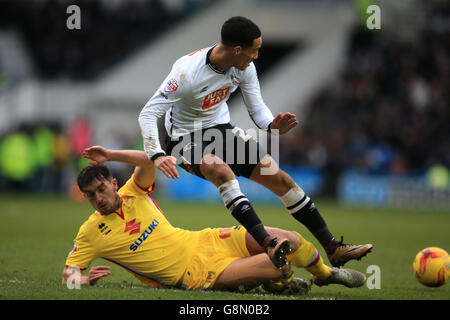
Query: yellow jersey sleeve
x,y
83,252
131,188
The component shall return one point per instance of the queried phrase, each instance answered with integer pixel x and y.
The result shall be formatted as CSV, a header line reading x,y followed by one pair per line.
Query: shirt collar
x,y
208,62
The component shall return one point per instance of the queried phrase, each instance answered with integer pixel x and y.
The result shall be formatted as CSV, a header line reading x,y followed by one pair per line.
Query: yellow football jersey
x,y
137,237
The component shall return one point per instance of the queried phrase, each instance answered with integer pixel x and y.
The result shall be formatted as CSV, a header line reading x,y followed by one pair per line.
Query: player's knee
x,y
216,172
295,239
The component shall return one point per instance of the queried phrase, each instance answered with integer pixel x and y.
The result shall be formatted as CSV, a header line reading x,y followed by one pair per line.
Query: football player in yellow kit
x,y
129,229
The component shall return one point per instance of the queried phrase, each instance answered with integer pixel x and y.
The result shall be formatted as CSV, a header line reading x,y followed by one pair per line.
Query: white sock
x,y
231,194
294,199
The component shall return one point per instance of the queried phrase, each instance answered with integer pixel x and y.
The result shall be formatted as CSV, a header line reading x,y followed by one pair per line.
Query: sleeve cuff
x,y
157,155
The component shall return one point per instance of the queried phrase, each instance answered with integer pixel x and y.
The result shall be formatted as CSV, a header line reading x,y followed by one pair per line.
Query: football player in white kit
x,y
193,98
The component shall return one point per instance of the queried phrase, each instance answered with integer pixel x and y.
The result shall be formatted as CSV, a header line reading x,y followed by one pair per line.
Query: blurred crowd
x,y
110,30
387,112
46,157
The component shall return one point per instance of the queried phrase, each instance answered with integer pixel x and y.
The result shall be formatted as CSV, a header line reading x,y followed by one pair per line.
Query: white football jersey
x,y
194,93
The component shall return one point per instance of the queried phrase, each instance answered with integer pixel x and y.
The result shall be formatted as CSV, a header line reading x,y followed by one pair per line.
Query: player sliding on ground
x,y
195,94
130,230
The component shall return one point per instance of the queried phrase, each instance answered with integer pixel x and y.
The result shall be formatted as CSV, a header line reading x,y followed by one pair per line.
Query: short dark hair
x,y
89,173
239,31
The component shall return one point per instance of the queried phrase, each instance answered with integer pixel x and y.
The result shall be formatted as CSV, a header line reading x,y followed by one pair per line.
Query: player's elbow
x,y
142,118
147,121
145,113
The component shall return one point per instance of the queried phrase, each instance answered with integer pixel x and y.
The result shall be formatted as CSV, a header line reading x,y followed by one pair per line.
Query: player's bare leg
x,y
249,272
218,172
301,207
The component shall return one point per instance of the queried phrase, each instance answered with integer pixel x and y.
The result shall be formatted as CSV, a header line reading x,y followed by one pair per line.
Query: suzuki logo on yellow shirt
x,y
144,235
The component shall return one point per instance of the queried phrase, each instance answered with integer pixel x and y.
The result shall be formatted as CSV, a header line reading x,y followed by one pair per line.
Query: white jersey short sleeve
x,y
194,95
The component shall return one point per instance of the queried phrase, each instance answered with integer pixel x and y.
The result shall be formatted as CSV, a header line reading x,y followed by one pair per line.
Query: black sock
x,y
311,218
246,215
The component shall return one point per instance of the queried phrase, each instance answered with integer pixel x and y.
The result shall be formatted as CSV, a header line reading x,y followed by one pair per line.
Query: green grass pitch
x,y
37,232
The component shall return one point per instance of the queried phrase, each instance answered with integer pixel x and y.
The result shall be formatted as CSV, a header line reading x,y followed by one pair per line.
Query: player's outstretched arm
x,y
284,122
144,173
95,274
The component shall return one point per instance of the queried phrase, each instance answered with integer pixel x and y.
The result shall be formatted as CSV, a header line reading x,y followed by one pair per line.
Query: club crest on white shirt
x,y
171,86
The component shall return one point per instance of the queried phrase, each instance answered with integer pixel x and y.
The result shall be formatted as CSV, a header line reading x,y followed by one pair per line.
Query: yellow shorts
x,y
215,250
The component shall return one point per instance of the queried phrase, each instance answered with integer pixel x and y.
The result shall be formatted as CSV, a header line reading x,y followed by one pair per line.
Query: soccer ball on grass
x,y
432,267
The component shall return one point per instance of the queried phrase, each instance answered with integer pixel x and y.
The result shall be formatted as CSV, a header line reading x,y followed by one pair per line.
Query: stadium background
x,y
373,145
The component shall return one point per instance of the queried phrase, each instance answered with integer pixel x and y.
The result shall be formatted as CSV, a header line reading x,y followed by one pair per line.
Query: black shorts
x,y
240,154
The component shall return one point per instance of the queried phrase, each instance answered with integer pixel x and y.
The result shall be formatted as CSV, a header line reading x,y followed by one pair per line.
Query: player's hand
x,y
284,122
167,165
97,273
97,154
